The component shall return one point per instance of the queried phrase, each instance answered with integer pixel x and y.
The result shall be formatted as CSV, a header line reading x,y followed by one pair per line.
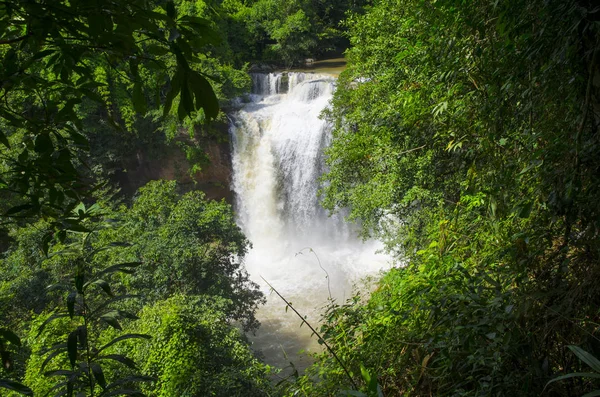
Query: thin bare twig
x,y
314,332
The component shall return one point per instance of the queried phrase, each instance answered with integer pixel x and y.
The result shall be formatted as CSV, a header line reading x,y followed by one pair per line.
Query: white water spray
x,y
278,141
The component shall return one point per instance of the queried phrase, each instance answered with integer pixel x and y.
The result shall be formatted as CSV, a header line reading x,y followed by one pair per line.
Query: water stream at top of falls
x,y
278,143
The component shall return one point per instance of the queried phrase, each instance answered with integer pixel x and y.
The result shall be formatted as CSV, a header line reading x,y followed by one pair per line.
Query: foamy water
x,y
278,142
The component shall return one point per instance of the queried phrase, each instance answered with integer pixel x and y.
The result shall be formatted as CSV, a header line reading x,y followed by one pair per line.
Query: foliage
x,y
287,32
88,311
82,82
53,49
195,351
465,137
179,245
188,245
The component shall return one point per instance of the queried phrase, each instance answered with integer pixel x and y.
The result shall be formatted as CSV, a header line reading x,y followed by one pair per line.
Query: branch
x,y
314,332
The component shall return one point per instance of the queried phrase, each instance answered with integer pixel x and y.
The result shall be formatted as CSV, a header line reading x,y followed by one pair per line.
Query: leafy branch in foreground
x,y
52,54
91,305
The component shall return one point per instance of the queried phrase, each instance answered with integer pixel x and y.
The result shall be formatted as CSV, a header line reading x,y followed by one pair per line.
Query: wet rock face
x,y
214,179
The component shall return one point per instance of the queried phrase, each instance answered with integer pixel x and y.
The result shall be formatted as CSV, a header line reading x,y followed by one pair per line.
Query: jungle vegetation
x,y
465,136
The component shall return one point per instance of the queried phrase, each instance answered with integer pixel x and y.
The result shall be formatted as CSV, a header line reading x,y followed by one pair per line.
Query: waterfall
x,y
278,142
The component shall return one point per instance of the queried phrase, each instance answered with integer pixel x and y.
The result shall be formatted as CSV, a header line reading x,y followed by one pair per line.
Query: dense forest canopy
x,y
465,136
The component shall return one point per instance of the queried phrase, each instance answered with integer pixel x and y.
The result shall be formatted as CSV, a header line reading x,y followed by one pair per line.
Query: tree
x,y
465,136
52,50
195,351
188,245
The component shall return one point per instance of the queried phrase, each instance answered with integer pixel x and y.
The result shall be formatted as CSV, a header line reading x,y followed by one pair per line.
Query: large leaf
x,y
586,357
102,284
131,379
186,102
575,375
50,357
4,140
16,386
138,99
124,392
204,94
72,347
124,337
119,358
112,321
19,208
120,267
104,306
99,375
10,336
71,298
176,83
60,372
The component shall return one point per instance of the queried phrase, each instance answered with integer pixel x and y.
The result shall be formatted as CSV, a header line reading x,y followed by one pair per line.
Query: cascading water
x,y
278,141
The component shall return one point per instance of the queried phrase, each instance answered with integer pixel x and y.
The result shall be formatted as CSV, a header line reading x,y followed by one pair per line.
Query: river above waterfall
x,y
309,257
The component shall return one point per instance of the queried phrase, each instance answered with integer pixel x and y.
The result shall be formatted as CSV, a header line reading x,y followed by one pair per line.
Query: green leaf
x,y
526,210
371,381
46,242
109,302
186,103
56,346
205,96
15,386
594,393
575,375
51,356
60,372
170,8
125,314
120,267
4,140
79,278
99,375
43,143
10,336
78,138
71,303
119,358
354,393
124,337
72,347
102,284
17,209
138,99
131,379
586,357
124,392
92,95
176,83
112,321
82,330
156,50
